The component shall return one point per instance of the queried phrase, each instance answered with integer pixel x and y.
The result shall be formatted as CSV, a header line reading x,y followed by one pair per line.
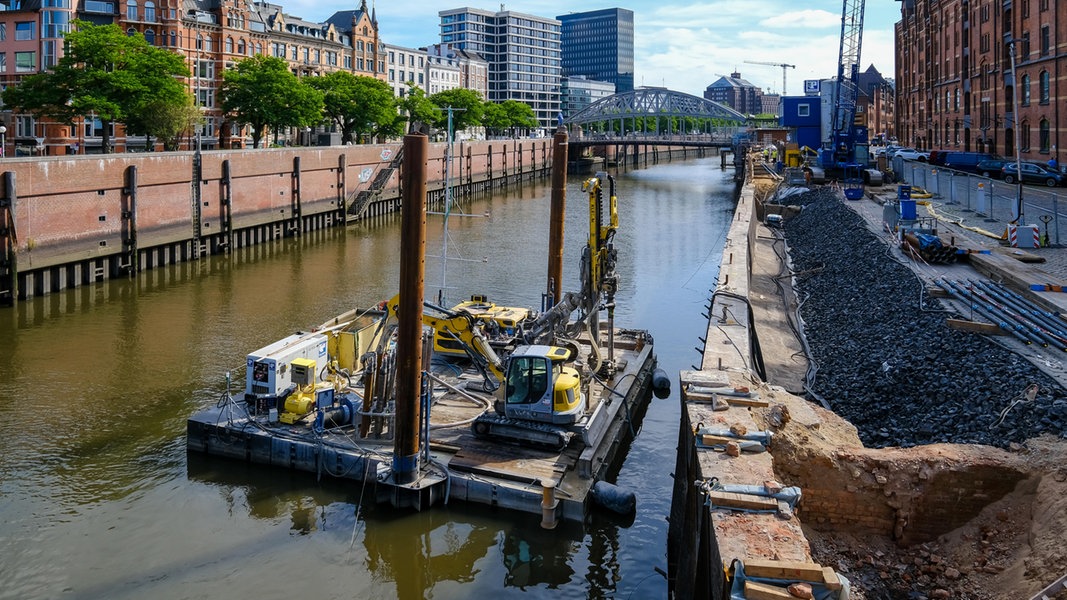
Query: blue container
x,y
903,192
907,209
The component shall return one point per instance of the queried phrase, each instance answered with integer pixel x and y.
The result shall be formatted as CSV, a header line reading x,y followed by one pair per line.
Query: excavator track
x,y
494,427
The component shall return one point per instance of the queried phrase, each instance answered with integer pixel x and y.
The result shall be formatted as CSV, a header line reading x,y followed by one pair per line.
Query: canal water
x,y
98,498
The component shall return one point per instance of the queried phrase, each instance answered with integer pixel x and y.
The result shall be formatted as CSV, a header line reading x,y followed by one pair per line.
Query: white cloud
x,y
803,18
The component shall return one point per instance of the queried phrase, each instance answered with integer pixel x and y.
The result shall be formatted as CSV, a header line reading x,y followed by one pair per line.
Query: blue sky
x,y
683,46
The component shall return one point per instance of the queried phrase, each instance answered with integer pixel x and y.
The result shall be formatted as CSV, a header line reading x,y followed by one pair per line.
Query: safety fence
x,y
985,202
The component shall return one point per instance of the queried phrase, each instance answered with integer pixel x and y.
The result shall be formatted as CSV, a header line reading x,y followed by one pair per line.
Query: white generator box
x,y
269,370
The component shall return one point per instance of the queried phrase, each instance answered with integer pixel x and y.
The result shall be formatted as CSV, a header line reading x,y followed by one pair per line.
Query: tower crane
x,y
770,64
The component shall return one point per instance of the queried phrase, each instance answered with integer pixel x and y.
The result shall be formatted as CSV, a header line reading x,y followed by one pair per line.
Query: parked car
x,y
890,150
962,161
991,167
912,154
1032,173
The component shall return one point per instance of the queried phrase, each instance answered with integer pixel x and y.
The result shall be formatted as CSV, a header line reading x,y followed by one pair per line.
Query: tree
x,y
358,105
106,73
519,114
261,91
168,122
495,118
418,108
466,105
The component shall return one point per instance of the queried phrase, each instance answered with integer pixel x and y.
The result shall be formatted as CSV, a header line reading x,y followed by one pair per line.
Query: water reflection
x,y
418,552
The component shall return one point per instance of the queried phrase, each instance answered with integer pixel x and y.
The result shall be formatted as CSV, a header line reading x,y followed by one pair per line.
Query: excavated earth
x,y
914,486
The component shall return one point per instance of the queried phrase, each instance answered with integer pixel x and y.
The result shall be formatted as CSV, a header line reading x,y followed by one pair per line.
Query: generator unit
x,y
269,371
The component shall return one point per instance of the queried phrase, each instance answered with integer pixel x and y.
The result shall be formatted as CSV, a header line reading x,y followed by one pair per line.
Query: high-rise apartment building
x,y
954,81
523,52
599,45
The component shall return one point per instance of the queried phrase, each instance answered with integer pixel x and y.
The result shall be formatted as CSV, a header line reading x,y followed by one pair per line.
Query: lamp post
x,y
3,141
1015,128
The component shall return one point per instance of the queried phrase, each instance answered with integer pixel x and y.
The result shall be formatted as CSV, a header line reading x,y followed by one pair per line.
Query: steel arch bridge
x,y
656,102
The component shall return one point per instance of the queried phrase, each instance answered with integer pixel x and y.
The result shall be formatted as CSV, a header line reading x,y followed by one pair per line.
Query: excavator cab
x,y
538,386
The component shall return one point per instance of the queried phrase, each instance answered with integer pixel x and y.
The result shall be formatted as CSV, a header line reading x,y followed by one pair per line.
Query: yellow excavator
x,y
540,396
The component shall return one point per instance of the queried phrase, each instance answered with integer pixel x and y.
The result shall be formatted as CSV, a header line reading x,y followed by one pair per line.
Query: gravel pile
x,y
894,370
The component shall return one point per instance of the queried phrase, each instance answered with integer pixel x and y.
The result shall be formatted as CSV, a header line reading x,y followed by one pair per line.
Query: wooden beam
x,y
783,569
975,327
762,591
746,501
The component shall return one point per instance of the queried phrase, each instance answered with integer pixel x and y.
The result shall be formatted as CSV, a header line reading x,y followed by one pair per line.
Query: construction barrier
x,y
1023,236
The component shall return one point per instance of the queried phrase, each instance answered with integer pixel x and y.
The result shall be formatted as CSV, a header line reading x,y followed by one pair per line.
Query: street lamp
x,y
3,141
1015,127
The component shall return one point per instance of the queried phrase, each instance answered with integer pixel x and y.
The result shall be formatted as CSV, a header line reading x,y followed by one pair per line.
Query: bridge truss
x,y
673,112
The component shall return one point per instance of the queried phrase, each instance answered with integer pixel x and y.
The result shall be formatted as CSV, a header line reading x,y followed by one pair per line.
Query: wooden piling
x,y
409,329
558,212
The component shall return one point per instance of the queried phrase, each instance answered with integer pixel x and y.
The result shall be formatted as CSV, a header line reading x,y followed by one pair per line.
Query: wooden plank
x,y
830,579
975,327
782,569
755,590
734,401
746,501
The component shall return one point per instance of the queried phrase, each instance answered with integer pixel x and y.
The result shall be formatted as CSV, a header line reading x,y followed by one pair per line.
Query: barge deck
x,y
471,469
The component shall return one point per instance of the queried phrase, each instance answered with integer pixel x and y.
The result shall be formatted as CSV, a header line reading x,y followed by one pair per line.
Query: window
x,y
131,10
1046,143
24,30
3,62
803,110
241,47
1024,139
1044,87
150,11
1044,41
229,45
150,37
1025,99
25,62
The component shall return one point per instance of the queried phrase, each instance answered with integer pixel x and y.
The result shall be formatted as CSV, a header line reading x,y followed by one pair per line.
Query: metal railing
x,y
983,202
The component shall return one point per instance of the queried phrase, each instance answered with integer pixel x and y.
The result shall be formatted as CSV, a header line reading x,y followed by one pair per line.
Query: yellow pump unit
x,y
302,401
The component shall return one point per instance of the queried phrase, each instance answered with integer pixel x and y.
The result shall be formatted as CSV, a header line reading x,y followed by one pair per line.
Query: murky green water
x,y
98,498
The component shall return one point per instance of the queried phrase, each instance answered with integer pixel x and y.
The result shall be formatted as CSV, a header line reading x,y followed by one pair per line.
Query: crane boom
x,y
784,66
843,134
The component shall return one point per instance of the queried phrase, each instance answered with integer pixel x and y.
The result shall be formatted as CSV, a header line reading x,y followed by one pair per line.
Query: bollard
x,y
549,502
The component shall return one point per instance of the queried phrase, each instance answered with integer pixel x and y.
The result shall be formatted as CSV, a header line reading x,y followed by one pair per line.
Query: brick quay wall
x,y
76,220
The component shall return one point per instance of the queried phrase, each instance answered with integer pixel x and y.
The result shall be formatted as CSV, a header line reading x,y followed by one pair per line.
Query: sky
x,y
683,46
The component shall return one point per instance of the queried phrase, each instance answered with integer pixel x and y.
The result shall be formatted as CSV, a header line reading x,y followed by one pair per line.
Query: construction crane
x,y
770,64
845,136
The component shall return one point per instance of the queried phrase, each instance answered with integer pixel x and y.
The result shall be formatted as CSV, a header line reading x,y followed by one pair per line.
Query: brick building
x,y
739,94
954,75
876,100
211,34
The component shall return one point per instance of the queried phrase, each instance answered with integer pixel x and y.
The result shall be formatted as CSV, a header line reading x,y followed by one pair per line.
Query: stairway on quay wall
x,y
941,520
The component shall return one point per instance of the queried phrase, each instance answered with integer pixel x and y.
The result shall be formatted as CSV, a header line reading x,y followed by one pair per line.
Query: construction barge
x,y
512,408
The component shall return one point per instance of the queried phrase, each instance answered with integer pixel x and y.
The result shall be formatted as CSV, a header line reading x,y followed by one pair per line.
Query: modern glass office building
x,y
523,52
600,45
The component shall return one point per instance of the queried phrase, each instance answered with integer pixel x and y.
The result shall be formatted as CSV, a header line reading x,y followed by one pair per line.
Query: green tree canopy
x,y
418,108
262,92
466,105
360,106
519,114
107,73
